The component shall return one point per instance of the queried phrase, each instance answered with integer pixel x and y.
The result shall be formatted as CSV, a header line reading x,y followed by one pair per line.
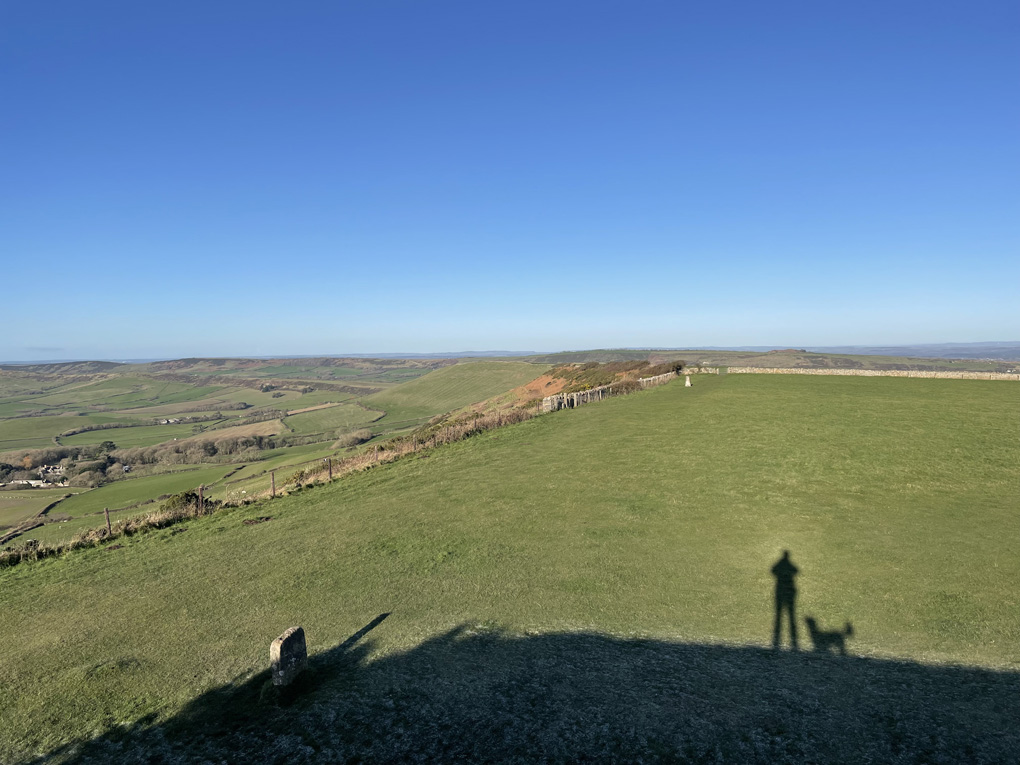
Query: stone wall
x,y
961,375
651,382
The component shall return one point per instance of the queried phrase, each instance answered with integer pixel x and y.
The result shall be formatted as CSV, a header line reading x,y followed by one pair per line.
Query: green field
x,y
590,579
131,491
127,438
255,477
38,432
18,395
343,417
124,392
17,505
360,371
451,388
220,397
64,530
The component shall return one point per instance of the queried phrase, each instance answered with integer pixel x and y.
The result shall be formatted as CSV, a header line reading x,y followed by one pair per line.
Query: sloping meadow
x,y
541,577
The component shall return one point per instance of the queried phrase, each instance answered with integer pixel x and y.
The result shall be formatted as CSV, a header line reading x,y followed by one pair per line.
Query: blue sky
x,y
256,178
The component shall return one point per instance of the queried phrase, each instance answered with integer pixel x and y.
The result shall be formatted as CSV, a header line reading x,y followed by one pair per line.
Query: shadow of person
x,y
786,599
477,694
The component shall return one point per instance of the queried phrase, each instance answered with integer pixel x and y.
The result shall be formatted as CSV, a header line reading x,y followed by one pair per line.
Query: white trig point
x,y
687,382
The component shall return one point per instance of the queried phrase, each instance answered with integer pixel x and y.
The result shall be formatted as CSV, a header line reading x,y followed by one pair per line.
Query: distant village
x,y
50,477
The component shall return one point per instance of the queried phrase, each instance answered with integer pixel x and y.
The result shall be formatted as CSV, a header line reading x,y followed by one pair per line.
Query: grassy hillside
x,y
451,388
67,397
544,579
332,419
124,493
38,432
16,506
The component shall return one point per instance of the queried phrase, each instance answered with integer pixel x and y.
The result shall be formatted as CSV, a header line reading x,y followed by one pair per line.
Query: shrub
x,y
178,502
352,439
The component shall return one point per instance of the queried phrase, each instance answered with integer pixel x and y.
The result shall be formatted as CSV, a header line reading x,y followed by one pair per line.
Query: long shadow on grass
x,y
483,695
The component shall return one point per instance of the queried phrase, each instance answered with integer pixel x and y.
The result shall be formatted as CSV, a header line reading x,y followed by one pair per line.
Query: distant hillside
x,y
67,367
1005,351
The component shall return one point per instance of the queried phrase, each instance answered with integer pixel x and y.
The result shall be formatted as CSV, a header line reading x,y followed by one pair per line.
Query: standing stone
x,y
687,384
288,656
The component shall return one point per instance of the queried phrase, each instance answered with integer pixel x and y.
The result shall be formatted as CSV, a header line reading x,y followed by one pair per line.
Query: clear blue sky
x,y
238,178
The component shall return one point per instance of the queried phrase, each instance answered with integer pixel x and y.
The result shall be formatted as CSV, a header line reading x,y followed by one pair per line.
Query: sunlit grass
x,y
657,514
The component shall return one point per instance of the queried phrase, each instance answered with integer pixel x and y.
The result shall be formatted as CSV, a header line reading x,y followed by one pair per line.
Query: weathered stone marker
x,y
687,384
288,656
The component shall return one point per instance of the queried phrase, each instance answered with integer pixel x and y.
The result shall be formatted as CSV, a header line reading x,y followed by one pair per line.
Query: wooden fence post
x,y
201,500
329,464
272,480
109,529
377,452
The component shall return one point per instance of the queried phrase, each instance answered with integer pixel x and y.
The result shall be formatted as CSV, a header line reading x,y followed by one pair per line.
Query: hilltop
x,y
627,542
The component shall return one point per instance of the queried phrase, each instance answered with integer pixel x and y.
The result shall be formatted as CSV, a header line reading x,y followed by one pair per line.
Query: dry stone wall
x,y
961,375
651,382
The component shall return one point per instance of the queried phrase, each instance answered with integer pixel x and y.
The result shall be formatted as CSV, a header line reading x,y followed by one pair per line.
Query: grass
x,y
232,395
255,476
277,457
123,392
16,506
65,530
340,417
38,432
263,428
590,579
131,491
450,388
127,438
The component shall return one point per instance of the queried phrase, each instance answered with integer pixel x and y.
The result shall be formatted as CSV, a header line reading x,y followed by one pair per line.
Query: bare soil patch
x,y
540,387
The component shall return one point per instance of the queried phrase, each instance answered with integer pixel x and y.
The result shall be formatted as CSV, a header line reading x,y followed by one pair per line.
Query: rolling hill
x,y
592,583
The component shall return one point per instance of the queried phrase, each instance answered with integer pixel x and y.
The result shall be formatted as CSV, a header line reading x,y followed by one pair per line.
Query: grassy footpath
x,y
656,515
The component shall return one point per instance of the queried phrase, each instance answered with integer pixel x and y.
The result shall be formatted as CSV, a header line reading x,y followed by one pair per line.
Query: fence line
x,y
570,400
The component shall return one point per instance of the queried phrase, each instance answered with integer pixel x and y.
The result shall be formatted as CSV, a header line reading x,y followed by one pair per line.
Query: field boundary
x,y
928,374
30,523
559,401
